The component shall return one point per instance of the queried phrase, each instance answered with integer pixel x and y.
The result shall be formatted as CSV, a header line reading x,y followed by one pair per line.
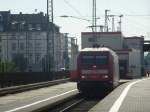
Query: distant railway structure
x,y
129,49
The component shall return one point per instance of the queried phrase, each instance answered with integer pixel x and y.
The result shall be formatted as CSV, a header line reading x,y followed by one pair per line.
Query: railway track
x,y
65,106
79,103
85,106
17,89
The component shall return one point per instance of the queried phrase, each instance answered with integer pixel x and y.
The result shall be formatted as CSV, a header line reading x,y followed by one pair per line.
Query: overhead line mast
x,y
106,20
94,29
50,19
50,11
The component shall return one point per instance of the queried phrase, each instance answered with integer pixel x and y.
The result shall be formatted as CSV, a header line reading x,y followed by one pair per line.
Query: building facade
x,y
136,43
126,47
33,44
107,39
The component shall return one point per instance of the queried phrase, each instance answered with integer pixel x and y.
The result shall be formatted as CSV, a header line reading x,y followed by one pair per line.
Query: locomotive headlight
x,y
83,77
105,76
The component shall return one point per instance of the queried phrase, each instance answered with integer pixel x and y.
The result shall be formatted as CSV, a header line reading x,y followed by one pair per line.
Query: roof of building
x,y
134,37
29,18
123,51
21,22
96,49
101,33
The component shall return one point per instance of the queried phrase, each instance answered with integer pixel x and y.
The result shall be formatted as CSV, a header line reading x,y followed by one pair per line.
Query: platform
x,y
33,100
130,97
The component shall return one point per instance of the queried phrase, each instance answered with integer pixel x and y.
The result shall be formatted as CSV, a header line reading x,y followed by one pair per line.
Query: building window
x,y
14,46
37,58
13,36
1,27
30,27
0,39
38,45
92,39
14,25
1,17
21,37
21,46
0,49
30,45
30,59
13,56
21,26
38,26
29,36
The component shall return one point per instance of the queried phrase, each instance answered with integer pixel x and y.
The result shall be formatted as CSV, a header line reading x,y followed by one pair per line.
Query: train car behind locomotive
x,y
96,68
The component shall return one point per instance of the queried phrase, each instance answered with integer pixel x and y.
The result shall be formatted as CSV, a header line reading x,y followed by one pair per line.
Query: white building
x,y
125,47
108,39
129,62
24,41
61,51
27,49
136,43
147,62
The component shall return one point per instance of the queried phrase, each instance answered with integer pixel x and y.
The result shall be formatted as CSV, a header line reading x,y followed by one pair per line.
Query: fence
x,y
17,78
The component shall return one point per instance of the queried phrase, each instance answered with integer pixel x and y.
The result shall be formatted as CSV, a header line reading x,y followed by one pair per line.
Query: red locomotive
x,y
96,68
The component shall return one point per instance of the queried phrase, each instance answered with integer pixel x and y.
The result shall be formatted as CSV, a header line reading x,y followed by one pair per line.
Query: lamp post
x,y
66,16
89,21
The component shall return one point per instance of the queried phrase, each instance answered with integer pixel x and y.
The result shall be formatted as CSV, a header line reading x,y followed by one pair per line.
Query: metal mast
x,y
94,16
120,23
50,19
50,11
106,20
113,22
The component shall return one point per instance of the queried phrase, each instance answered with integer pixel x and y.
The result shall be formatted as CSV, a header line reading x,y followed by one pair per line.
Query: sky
x,y
135,20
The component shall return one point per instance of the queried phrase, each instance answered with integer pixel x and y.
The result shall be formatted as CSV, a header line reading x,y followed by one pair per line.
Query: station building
x,y
129,50
107,39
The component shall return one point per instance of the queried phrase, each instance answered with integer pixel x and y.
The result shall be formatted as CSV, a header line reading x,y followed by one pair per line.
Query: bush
x,y
7,67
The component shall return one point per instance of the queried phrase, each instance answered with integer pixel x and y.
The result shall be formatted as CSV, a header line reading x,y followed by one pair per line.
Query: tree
x,y
20,61
7,67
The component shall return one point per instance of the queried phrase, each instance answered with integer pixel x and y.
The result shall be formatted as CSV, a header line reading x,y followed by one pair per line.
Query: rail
x,y
77,103
15,89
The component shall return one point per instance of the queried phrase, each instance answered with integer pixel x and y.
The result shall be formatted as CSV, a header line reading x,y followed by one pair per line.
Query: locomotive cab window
x,y
99,60
87,59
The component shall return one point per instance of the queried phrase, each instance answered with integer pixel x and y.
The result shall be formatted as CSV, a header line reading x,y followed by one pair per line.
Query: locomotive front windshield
x,y
94,59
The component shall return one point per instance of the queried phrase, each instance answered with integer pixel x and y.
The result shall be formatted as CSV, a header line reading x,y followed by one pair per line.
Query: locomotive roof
x,y
99,49
96,49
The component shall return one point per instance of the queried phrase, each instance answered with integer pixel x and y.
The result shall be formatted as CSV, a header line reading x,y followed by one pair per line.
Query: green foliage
x,y
20,62
7,67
